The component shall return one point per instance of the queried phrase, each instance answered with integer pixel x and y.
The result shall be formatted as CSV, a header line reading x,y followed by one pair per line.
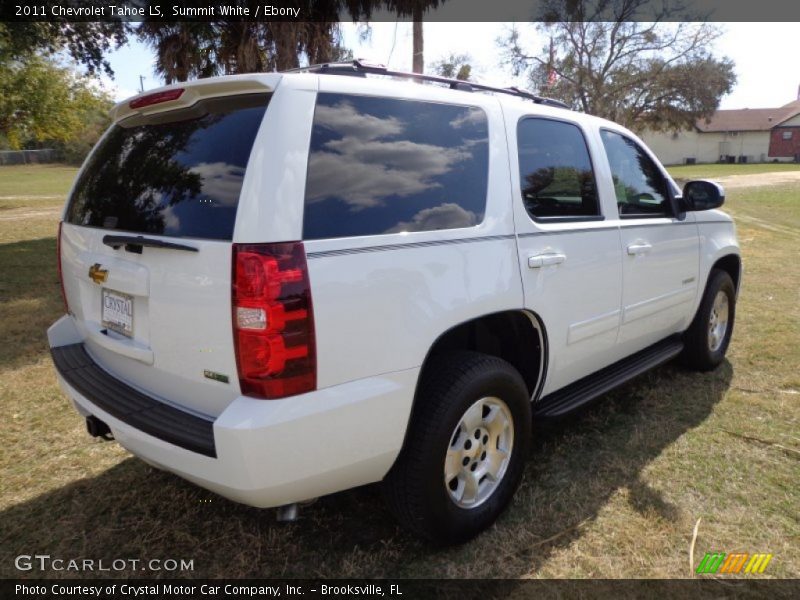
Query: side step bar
x,y
575,395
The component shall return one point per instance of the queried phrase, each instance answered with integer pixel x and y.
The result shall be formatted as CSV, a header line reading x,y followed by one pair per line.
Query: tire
x,y
705,342
420,489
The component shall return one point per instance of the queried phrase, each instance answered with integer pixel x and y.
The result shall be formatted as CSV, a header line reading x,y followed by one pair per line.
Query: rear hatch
x,y
146,247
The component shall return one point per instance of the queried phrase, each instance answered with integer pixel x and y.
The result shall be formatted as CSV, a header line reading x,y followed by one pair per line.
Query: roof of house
x,y
749,119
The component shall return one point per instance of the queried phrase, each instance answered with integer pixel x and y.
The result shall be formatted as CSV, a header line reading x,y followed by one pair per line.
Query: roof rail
x,y
360,68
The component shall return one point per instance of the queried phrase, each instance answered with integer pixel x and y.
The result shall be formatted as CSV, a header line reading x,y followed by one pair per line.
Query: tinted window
x,y
175,174
555,170
381,165
639,185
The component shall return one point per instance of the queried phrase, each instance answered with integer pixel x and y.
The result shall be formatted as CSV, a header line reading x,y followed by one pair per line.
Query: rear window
x,y
176,174
383,165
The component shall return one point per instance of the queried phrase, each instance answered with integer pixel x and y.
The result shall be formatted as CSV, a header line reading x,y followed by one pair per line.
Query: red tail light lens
x,y
156,98
273,320
60,272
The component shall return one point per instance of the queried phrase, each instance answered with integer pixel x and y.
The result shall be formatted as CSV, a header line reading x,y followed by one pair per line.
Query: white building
x,y
741,135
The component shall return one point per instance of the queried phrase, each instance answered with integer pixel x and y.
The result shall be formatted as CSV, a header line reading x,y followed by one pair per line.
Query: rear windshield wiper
x,y
135,243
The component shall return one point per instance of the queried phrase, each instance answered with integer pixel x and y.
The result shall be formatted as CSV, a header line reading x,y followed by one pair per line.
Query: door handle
x,y
537,261
639,248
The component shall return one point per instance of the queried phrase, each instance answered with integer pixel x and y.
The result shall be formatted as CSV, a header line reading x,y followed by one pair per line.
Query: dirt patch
x,y
759,179
38,197
777,228
19,214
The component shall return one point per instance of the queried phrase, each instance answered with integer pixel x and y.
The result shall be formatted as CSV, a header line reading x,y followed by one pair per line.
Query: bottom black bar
x,y
405,589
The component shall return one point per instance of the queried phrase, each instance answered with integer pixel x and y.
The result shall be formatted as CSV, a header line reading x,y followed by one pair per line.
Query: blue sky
x,y
765,56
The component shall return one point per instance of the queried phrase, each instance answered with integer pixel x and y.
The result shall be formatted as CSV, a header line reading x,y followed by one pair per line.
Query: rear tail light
x,y
60,271
156,98
273,321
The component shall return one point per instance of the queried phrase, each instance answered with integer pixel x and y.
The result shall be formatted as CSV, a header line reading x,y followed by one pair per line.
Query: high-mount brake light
x,y
156,98
273,322
60,271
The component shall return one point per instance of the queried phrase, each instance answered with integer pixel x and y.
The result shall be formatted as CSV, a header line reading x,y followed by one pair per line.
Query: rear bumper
x,y
78,370
262,452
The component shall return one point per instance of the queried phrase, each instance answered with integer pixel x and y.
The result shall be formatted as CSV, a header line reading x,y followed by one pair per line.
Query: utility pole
x,y
141,83
551,73
418,61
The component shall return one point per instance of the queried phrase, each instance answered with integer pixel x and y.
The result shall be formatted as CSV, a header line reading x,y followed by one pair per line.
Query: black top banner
x,y
386,10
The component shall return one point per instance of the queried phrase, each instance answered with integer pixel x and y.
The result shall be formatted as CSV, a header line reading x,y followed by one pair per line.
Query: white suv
x,y
279,286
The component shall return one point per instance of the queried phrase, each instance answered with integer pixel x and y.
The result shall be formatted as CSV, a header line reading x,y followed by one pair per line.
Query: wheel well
x,y
515,336
732,265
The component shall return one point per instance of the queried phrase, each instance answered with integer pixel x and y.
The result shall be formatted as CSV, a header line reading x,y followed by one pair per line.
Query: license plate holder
x,y
117,311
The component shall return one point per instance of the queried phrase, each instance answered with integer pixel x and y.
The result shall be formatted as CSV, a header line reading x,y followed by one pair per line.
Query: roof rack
x,y
359,68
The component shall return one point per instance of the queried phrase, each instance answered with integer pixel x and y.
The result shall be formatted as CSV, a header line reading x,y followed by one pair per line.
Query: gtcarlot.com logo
x,y
45,562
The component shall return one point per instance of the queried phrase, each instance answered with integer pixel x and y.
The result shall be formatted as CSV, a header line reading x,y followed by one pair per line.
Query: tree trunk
x,y
418,59
319,42
248,59
285,36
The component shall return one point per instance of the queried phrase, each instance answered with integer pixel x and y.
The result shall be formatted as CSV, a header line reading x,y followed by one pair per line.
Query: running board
x,y
575,395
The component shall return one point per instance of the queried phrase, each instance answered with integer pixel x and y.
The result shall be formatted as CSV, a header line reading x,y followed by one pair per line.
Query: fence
x,y
26,157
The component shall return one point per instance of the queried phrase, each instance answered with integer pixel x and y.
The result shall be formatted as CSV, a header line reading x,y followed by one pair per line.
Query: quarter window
x,y
383,165
555,170
640,187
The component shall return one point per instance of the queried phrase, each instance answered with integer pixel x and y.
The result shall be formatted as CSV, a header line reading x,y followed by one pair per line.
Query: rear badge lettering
x,y
216,376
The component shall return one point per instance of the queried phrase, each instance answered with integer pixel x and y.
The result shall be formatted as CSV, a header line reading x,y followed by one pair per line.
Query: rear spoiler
x,y
185,94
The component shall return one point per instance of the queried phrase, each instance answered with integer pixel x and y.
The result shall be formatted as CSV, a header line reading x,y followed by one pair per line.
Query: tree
x,y
190,50
653,75
414,9
186,50
42,102
454,66
86,42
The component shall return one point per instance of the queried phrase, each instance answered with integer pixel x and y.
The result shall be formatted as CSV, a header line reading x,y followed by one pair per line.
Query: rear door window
x,y
176,174
555,171
383,165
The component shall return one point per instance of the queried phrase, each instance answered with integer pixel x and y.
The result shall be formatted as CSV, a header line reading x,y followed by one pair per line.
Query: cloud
x,y
360,185
106,84
426,160
473,116
344,119
444,216
172,222
222,182
362,168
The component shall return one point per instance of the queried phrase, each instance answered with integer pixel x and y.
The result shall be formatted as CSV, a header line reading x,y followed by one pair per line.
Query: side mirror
x,y
702,195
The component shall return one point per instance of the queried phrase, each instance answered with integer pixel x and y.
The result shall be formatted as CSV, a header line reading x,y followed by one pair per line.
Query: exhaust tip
x,y
98,428
288,513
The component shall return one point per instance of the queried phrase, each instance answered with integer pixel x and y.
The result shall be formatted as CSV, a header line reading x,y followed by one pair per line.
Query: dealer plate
x,y
117,311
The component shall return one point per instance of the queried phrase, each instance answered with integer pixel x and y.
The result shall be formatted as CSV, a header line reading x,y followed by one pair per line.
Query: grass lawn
x,y
717,170
36,180
613,492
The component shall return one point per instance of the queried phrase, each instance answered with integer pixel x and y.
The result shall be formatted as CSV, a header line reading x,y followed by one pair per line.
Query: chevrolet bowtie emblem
x,y
97,273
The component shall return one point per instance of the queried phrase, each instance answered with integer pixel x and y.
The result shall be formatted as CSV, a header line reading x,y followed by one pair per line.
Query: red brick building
x,y
784,138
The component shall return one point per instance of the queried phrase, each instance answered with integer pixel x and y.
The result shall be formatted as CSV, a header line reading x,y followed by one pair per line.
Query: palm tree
x,y
183,50
189,50
414,9
186,50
